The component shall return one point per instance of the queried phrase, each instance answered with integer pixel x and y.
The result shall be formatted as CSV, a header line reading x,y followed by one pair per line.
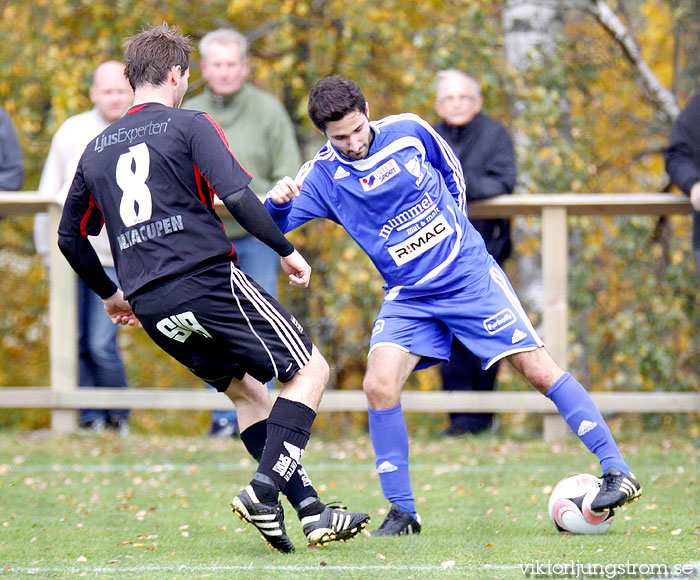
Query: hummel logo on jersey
x,y
340,173
518,335
585,427
386,467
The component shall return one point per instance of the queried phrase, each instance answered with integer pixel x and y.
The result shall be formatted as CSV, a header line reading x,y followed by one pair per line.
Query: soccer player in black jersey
x,y
151,177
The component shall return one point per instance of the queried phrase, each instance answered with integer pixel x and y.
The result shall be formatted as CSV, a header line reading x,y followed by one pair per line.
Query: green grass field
x,y
158,507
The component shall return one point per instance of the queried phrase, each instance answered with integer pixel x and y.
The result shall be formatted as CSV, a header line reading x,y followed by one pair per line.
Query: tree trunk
x,y
530,29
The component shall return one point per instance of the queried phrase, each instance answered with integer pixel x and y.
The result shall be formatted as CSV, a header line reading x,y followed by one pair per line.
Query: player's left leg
x,y
262,429
583,417
493,324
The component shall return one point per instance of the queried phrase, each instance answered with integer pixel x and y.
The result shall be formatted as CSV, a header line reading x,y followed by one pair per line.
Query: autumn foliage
x,y
583,126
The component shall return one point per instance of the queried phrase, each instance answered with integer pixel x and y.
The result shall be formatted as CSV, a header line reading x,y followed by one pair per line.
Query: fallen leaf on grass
x,y
447,564
676,532
651,547
381,557
81,559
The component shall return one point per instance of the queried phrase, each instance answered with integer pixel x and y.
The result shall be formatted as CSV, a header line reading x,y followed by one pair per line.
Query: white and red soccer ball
x,y
570,506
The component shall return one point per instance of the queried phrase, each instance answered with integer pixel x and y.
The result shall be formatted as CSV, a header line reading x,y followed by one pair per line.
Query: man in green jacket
x,y
261,136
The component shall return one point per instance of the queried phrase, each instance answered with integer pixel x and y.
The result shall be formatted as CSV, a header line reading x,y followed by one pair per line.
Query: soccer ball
x,y
570,506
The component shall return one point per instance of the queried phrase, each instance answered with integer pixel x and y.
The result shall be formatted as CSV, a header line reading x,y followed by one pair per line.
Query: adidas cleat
x,y
269,519
333,523
616,489
398,523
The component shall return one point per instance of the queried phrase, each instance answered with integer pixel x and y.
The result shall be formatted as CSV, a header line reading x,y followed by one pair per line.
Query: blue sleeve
x,y
311,202
442,157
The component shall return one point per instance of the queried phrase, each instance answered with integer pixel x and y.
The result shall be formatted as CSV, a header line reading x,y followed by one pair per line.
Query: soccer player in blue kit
x,y
397,188
152,177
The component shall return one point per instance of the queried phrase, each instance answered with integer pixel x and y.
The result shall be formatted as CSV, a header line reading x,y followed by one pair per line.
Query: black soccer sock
x,y
254,439
299,488
288,431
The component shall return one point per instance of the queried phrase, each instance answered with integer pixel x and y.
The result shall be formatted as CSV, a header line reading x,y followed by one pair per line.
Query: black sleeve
x,y
253,216
683,154
82,257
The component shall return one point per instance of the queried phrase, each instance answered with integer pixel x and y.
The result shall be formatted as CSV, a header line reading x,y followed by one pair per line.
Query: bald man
x,y
100,364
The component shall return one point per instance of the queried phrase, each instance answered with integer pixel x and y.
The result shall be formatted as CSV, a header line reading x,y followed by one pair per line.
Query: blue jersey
x,y
404,204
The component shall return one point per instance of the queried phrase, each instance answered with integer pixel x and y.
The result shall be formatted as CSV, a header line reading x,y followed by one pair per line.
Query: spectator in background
x,y
11,159
683,162
100,364
261,136
485,150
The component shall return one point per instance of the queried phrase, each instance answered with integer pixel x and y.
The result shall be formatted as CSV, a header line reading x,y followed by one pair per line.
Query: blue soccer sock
x,y
387,429
581,414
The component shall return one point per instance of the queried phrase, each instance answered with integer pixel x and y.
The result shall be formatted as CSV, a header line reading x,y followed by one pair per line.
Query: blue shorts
x,y
486,316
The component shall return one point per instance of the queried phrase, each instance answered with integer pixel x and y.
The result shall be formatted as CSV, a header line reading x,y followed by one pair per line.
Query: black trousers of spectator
x,y
464,373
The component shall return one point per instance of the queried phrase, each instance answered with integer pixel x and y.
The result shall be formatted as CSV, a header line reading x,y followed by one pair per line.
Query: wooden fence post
x,y
63,317
555,268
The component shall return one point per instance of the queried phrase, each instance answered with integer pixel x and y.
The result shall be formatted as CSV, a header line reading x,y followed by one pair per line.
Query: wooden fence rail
x,y
554,209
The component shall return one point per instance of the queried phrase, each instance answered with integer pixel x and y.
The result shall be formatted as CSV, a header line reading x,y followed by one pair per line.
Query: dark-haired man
x,y
152,176
397,188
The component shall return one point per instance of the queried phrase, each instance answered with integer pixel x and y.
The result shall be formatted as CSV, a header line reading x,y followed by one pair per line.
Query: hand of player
x,y
297,269
119,309
284,191
695,196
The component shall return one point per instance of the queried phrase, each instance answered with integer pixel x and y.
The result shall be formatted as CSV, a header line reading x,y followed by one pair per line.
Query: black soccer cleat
x,y
398,523
616,489
333,523
269,519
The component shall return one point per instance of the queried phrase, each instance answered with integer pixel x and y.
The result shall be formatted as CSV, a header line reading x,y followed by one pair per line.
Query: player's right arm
x,y
82,217
293,202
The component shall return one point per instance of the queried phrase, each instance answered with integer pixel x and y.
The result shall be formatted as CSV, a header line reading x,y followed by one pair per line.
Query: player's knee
x,y
320,366
379,396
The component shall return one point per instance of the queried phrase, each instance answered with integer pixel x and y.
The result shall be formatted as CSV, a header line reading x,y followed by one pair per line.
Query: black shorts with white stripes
x,y
221,324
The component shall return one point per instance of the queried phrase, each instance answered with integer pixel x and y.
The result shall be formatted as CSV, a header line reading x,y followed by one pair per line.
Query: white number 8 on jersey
x,y
136,205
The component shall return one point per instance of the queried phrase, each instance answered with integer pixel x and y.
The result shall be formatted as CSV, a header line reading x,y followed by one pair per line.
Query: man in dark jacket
x,y
683,162
485,150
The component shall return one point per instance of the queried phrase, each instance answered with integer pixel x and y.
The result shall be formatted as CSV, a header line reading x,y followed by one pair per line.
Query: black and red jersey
x,y
151,178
